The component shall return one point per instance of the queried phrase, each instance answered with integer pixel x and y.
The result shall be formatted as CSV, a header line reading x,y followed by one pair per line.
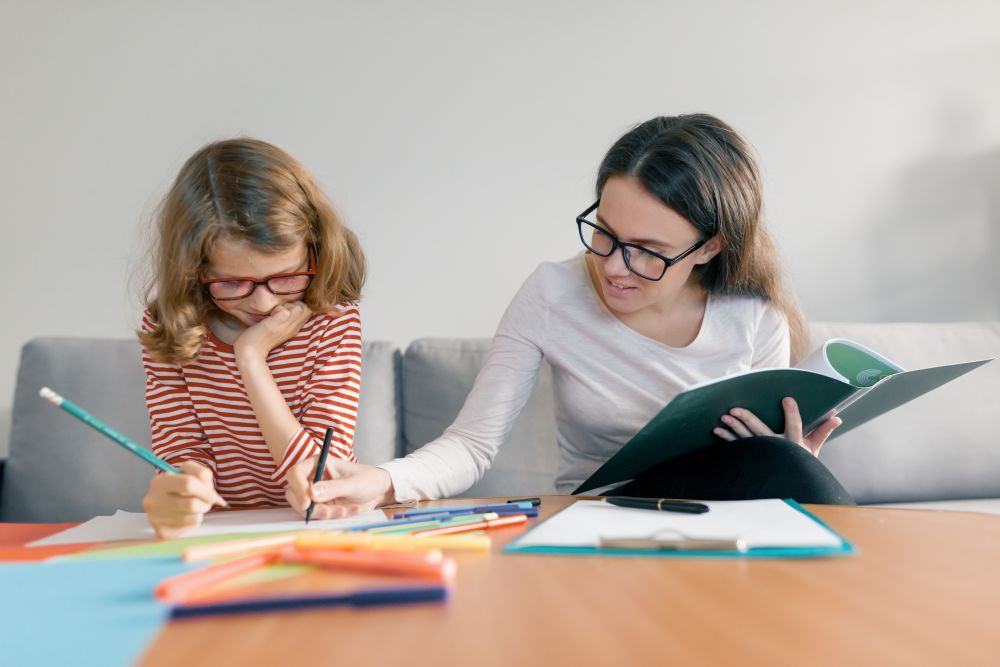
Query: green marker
x,y
464,518
95,423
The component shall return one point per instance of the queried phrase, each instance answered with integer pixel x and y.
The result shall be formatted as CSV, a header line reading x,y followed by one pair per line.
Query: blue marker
x,y
500,508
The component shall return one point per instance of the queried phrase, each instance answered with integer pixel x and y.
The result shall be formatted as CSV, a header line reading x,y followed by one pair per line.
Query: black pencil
x,y
320,467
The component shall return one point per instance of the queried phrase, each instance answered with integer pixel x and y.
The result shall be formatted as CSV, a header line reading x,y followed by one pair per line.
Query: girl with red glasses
x,y
251,338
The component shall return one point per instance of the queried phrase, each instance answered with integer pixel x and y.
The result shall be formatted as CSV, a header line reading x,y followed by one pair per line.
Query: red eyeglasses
x,y
282,284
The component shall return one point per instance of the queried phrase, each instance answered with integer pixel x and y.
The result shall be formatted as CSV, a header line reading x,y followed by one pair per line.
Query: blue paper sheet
x,y
81,612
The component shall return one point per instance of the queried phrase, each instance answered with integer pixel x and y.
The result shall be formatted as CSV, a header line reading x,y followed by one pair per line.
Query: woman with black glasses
x,y
679,283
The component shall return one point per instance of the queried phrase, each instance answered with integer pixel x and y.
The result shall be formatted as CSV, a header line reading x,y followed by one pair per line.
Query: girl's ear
x,y
705,253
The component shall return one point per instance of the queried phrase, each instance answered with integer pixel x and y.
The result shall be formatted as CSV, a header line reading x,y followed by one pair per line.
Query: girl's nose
x,y
262,300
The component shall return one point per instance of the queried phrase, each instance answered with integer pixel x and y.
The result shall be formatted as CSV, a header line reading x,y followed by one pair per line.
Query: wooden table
x,y
923,589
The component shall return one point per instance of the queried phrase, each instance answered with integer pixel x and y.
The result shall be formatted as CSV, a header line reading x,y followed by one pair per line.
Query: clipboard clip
x,y
671,539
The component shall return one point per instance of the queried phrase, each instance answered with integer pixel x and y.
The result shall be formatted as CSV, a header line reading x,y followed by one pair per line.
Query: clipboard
x,y
534,542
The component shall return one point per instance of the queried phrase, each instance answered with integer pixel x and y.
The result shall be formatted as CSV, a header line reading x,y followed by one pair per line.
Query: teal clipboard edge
x,y
845,548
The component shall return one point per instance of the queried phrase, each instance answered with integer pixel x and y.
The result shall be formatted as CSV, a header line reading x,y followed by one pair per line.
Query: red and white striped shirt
x,y
200,411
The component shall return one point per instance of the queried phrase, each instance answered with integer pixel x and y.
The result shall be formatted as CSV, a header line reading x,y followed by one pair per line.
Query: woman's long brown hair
x,y
701,168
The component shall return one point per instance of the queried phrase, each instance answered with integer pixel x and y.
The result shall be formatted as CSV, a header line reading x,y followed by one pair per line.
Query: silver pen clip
x,y
671,539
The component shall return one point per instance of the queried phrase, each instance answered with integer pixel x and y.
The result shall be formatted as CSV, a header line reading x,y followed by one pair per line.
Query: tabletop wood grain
x,y
922,589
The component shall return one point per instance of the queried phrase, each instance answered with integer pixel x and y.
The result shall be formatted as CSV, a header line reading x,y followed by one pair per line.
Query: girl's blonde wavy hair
x,y
248,190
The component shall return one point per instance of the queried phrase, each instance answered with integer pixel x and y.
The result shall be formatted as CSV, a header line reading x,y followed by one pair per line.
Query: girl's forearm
x,y
277,423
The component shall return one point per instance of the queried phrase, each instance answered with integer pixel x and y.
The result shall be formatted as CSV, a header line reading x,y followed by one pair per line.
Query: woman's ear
x,y
705,253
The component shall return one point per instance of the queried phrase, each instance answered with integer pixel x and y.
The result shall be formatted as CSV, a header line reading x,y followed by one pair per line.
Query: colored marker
x,y
427,565
394,542
359,598
502,510
535,502
477,509
241,546
447,521
398,522
181,586
466,527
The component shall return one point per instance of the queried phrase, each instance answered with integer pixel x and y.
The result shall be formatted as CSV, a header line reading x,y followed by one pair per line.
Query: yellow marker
x,y
359,540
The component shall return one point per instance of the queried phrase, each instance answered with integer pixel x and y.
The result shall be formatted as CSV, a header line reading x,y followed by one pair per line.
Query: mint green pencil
x,y
95,423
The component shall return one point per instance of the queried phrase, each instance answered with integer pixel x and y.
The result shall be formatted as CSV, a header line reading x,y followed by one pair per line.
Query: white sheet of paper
x,y
761,523
135,526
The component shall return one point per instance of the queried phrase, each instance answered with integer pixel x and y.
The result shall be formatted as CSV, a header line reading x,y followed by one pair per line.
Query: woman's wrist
x,y
388,492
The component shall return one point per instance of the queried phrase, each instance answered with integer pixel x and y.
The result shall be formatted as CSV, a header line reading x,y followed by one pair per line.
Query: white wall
x,y
460,139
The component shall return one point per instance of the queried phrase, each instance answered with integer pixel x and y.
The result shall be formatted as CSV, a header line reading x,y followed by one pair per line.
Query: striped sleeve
x,y
177,434
330,395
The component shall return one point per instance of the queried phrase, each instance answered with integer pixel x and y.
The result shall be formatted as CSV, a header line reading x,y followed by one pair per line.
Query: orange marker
x,y
181,586
234,547
466,527
428,565
369,541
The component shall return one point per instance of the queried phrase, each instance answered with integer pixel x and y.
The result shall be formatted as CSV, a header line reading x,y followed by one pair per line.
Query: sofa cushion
x,y
61,470
943,445
437,376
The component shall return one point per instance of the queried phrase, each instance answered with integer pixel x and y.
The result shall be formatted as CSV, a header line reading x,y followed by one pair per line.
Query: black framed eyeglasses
x,y
282,284
643,262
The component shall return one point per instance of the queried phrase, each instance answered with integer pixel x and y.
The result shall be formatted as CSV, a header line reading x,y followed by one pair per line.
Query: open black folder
x,y
857,382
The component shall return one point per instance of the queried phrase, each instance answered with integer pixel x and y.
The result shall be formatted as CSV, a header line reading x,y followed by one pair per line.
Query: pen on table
x,y
320,466
658,504
535,502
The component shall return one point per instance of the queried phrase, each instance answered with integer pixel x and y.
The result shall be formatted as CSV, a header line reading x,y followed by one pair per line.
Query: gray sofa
x,y
942,449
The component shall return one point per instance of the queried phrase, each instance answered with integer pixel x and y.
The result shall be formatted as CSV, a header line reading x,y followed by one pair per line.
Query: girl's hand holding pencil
x,y
176,500
176,504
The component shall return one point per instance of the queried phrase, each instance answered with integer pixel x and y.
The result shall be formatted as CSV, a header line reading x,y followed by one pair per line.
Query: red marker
x,y
182,586
467,527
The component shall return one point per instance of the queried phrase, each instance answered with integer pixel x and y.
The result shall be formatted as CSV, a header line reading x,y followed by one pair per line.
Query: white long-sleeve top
x,y
608,379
